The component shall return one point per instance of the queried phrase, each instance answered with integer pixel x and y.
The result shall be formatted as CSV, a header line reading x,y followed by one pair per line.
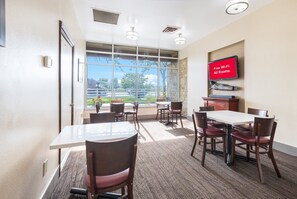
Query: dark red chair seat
x,y
110,180
248,138
212,132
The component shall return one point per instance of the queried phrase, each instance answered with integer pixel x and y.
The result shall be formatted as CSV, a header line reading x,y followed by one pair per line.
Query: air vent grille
x,y
170,29
105,17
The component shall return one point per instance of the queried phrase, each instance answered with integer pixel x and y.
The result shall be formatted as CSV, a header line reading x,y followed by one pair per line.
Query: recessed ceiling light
x,y
236,6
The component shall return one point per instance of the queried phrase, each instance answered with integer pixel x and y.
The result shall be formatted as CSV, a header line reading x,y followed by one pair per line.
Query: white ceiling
x,y
197,18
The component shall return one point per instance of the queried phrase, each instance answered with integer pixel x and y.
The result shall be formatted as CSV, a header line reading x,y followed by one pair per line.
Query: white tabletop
x,y
76,135
127,105
163,103
231,117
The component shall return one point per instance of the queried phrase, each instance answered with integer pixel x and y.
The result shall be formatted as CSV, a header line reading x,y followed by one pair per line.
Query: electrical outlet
x,y
44,167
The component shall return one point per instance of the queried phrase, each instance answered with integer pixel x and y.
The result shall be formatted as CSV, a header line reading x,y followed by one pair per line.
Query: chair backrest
x,y
161,100
117,107
206,108
194,123
263,126
176,105
254,111
200,119
135,107
111,157
102,117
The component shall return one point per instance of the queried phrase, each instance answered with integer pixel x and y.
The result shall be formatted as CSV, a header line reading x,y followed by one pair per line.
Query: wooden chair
x,y
205,131
261,137
176,111
216,124
102,117
110,166
219,125
161,108
118,108
253,111
134,113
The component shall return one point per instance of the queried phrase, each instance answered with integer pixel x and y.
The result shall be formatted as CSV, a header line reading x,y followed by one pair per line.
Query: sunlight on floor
x,y
159,132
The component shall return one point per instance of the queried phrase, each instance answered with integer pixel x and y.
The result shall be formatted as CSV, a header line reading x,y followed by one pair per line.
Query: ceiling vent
x,y
170,29
105,17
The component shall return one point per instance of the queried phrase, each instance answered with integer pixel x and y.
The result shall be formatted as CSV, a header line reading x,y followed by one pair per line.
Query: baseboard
x,y
51,185
285,148
54,179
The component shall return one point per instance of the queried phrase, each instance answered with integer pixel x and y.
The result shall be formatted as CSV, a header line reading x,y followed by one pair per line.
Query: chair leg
x,y
271,156
130,191
247,153
211,144
194,146
123,192
204,151
137,121
181,121
259,164
91,196
233,150
200,139
224,147
157,114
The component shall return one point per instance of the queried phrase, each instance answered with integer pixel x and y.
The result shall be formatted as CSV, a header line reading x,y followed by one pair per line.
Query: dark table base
x,y
82,191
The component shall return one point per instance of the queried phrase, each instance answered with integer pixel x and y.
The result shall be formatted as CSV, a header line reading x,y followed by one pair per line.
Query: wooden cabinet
x,y
222,103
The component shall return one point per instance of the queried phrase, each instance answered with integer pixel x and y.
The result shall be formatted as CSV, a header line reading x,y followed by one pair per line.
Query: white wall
x,y
270,36
29,93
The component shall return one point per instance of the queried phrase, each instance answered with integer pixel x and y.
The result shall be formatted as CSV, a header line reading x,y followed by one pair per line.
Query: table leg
x,y
82,191
79,191
229,144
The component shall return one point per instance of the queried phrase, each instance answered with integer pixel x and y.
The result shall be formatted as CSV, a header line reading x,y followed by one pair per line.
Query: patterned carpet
x,y
165,169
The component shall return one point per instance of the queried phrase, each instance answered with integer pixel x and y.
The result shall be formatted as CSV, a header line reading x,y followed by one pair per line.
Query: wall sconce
x,y
47,61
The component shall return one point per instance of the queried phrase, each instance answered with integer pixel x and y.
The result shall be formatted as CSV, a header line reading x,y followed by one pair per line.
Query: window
x,y
119,72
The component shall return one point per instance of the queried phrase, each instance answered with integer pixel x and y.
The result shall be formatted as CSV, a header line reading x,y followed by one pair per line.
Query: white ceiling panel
x,y
197,18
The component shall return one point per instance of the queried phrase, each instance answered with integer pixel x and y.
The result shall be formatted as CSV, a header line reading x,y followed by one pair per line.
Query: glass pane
x,y
99,47
99,84
148,61
168,63
169,53
125,60
147,85
125,49
102,59
124,83
168,84
147,51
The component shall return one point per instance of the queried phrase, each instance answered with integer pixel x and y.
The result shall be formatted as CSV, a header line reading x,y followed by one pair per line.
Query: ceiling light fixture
x,y
180,40
132,35
234,7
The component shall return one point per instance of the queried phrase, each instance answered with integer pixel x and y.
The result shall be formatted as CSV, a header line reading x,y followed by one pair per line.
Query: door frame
x,y
63,33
